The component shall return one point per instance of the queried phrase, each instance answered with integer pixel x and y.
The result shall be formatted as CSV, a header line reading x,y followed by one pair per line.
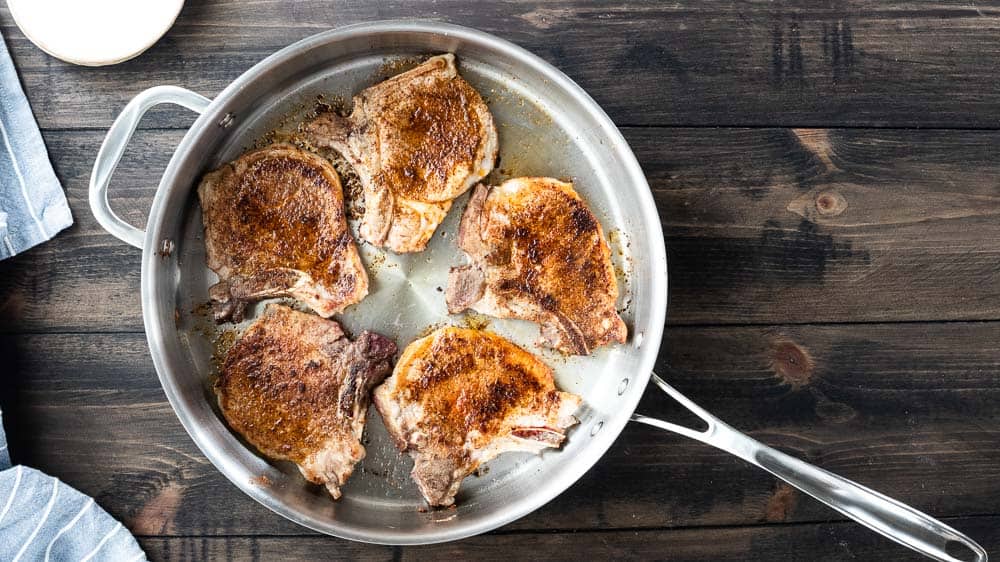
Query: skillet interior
x,y
547,127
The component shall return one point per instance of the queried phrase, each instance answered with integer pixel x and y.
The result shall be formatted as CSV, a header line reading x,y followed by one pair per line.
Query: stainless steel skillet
x,y
548,126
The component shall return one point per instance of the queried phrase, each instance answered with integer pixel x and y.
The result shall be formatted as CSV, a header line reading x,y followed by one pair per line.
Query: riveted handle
x,y
884,515
113,147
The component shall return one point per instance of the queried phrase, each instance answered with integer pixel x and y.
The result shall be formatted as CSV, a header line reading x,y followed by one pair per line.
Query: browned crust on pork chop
x,y
417,141
459,397
538,253
275,226
298,389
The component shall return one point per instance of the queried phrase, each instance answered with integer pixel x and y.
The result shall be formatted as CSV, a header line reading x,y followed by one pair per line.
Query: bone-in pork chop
x,y
275,226
417,141
538,253
458,398
297,389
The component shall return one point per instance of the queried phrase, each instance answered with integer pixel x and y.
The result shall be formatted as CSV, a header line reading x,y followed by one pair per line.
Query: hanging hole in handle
x,y
960,550
132,198
660,405
116,146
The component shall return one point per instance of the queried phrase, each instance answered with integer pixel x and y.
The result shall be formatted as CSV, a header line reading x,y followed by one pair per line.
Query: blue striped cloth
x,y
32,204
43,519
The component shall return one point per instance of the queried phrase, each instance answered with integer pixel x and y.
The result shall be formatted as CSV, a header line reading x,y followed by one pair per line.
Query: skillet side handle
x,y
884,515
117,139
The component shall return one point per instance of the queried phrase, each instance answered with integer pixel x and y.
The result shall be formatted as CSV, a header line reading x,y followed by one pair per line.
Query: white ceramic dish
x,y
94,32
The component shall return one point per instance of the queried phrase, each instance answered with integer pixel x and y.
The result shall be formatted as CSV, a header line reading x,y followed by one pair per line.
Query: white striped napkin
x,y
43,519
32,204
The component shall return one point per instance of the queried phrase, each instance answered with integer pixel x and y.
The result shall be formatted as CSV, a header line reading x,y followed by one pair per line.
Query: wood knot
x,y
822,205
157,516
792,363
830,203
781,503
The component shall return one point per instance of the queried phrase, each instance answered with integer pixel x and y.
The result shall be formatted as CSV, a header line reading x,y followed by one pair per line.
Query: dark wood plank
x,y
908,228
907,409
795,63
198,549
85,279
772,226
813,225
828,542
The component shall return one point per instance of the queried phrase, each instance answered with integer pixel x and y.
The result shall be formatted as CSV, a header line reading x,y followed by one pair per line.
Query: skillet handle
x,y
878,512
114,146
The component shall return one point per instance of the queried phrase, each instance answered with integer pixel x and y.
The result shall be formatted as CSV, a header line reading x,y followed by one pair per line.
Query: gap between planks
x,y
584,530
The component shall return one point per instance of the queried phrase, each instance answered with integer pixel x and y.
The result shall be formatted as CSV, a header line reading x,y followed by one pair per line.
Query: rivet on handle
x,y
623,386
596,427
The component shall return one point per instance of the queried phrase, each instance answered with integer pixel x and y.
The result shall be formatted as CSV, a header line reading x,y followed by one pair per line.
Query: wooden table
x,y
829,184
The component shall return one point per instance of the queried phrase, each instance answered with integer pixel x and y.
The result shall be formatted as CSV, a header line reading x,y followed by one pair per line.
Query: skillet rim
x,y
158,321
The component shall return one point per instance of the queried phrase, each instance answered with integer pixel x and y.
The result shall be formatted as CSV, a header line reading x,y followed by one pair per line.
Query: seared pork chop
x,y
417,141
275,226
297,389
458,398
538,254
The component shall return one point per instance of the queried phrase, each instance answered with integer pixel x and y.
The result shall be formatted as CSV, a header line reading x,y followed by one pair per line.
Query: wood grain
x,y
826,225
864,193
763,226
826,542
85,279
792,63
88,409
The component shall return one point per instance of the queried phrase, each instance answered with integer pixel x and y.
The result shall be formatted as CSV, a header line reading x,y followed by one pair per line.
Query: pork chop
x,y
297,389
459,397
538,253
417,141
275,226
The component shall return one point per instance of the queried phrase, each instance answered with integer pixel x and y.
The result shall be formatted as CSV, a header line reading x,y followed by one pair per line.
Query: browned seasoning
x,y
261,480
290,218
572,280
221,344
475,321
463,392
397,65
442,131
428,330
377,261
278,392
